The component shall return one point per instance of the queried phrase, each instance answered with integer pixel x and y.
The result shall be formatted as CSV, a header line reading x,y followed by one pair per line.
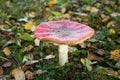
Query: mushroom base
x,y
63,54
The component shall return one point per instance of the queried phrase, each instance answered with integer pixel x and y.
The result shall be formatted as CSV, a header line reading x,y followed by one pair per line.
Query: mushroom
x,y
64,33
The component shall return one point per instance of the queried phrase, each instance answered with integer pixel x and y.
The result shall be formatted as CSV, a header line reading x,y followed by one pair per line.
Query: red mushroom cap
x,y
63,31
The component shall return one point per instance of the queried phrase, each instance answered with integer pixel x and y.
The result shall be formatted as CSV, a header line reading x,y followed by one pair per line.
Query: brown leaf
x,y
7,51
100,51
28,48
29,75
18,74
91,56
1,71
7,64
32,14
39,72
115,54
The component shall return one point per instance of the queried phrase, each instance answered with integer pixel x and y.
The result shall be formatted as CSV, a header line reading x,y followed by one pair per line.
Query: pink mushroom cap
x,y
63,32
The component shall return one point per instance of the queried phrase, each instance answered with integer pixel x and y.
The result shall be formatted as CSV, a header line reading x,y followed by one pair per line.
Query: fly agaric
x,y
63,32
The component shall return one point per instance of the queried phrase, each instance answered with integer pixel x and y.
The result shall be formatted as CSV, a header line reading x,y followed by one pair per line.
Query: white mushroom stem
x,y
63,54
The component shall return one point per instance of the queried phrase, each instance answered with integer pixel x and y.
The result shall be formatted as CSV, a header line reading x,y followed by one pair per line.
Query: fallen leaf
x,y
110,24
31,62
83,45
103,16
32,14
7,64
29,25
92,9
18,74
63,9
37,42
52,2
115,14
91,56
39,72
115,54
1,26
1,71
23,19
29,75
101,52
109,39
9,42
112,31
7,51
28,48
83,61
49,56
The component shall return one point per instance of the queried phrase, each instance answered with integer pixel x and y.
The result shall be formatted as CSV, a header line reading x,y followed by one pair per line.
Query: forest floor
x,y
98,58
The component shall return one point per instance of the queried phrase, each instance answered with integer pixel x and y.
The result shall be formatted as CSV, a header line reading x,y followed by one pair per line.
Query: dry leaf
x,y
63,9
109,39
1,26
82,61
37,42
110,24
103,16
115,14
91,56
92,9
29,25
29,75
49,56
7,64
52,2
67,16
28,48
112,31
83,45
100,52
1,71
9,42
7,51
115,55
39,72
31,62
18,73
32,14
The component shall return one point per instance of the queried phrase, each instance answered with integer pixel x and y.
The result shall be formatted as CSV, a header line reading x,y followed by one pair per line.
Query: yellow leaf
x,y
83,61
18,73
109,24
92,9
103,16
29,25
52,2
7,51
32,14
112,31
115,54
1,26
